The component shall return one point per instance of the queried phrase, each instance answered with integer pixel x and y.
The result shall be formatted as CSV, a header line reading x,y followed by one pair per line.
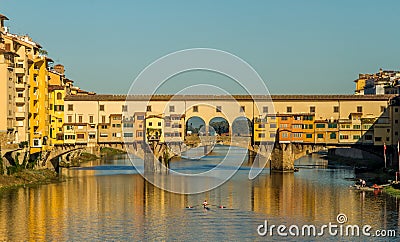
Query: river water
x,y
109,200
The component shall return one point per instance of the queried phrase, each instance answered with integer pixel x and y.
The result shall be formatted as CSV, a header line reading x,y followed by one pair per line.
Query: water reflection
x,y
110,201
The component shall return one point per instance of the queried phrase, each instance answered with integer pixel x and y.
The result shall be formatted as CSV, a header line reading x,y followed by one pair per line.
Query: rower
x,y
205,204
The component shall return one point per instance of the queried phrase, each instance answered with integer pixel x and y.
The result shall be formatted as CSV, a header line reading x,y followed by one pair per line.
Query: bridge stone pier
x,y
283,155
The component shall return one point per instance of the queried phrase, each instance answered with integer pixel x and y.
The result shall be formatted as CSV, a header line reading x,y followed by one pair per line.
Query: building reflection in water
x,y
99,206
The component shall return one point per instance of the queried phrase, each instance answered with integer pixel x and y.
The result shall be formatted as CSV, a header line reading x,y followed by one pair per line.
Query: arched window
x,y
59,96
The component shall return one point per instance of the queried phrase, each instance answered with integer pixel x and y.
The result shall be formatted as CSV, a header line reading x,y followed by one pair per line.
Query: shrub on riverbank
x,y
82,158
28,177
395,192
107,151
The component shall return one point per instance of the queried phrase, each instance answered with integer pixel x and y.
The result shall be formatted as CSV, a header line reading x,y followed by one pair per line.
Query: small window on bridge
x,y
195,109
148,108
336,109
218,109
265,109
242,109
288,109
172,108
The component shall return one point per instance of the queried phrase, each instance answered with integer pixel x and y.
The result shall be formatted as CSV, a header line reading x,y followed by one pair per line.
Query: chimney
x,y
2,27
59,68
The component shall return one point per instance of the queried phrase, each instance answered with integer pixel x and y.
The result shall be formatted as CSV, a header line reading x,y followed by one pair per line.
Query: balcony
x,y
19,124
20,100
19,70
19,85
20,115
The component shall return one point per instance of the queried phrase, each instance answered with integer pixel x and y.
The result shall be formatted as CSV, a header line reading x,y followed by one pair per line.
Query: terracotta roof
x,y
3,17
55,87
107,97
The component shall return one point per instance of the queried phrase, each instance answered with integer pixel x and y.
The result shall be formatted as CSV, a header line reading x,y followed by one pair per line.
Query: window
x,y
387,130
288,109
140,117
261,135
139,133
129,135
383,109
396,133
284,118
309,136
272,135
273,126
297,126
80,119
368,137
261,126
297,135
80,136
309,118
218,109
356,126
387,139
91,119
312,109
103,119
396,110
344,136
332,135
59,96
284,135
70,107
320,136
148,108
150,123
396,121
378,139
308,126
70,119
128,125
367,126
332,125
359,109
357,137
320,126
195,109
103,126
172,108
265,109
20,94
336,109
159,124
124,108
242,109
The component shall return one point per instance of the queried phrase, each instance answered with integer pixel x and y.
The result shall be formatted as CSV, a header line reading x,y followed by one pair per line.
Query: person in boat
x,y
363,183
205,204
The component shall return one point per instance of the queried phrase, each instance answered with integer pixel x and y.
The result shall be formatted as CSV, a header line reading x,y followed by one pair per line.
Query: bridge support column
x,y
282,158
154,157
252,155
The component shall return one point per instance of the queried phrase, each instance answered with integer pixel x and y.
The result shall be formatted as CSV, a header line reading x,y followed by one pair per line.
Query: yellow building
x,y
155,128
56,112
38,105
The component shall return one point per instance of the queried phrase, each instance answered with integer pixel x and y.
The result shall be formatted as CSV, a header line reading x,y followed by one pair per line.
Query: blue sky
x,y
297,47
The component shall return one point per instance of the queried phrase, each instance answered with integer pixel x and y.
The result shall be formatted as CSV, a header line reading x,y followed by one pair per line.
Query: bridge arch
x,y
242,126
194,124
220,125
